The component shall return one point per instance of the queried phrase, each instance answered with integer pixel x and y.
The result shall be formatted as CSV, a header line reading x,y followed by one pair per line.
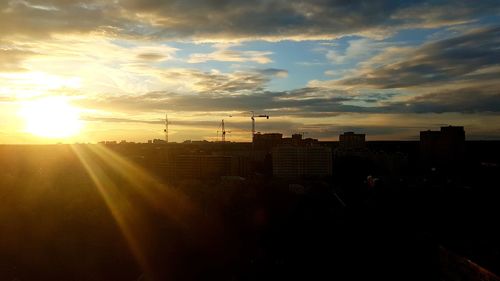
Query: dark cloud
x,y
305,102
274,72
309,103
467,100
377,97
43,18
232,19
446,61
438,13
289,19
151,56
299,102
244,19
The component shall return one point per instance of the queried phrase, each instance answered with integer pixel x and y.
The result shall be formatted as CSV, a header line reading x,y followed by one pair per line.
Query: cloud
x,y
216,82
95,63
457,74
153,52
357,50
446,61
298,110
237,19
189,81
466,100
231,20
281,73
441,13
306,102
11,59
39,19
224,53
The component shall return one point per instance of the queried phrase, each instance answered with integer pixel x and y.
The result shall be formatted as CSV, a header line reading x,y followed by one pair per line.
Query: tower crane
x,y
253,121
223,131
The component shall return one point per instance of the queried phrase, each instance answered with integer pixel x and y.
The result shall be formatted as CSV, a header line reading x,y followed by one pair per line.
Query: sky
x,y
87,71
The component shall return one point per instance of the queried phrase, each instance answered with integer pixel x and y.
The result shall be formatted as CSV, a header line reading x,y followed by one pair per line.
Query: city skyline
x,y
109,70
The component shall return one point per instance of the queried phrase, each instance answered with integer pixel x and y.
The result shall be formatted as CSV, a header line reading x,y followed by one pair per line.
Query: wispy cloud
x,y
466,100
438,62
358,50
224,52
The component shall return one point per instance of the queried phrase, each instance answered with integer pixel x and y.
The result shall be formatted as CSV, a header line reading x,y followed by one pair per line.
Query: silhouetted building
x,y
443,148
267,141
297,139
159,141
351,157
350,140
301,161
202,166
108,142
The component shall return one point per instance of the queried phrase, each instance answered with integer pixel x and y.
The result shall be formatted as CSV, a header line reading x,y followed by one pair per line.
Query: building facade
x,y
443,148
302,161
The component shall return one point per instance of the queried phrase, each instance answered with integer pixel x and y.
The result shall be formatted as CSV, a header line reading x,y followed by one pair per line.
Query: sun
x,y
51,117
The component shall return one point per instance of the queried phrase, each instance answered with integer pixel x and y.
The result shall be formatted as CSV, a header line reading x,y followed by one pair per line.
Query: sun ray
x,y
118,206
146,186
125,200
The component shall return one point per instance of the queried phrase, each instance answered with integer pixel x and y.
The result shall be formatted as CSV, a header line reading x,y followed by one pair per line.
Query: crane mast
x,y
223,131
253,121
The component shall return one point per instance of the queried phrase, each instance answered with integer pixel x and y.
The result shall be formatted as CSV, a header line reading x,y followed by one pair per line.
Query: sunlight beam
x,y
119,207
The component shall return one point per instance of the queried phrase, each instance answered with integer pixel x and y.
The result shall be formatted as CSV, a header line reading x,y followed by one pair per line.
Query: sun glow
x,y
51,117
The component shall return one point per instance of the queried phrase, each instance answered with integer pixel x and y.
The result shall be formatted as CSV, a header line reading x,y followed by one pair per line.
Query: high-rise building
x,y
350,140
267,141
301,161
443,148
297,139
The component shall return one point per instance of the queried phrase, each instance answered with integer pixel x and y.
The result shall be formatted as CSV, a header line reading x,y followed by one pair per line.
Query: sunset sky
x,y
85,71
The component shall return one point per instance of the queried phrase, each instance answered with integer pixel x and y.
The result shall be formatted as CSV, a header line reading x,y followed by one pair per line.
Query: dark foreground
x,y
58,223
